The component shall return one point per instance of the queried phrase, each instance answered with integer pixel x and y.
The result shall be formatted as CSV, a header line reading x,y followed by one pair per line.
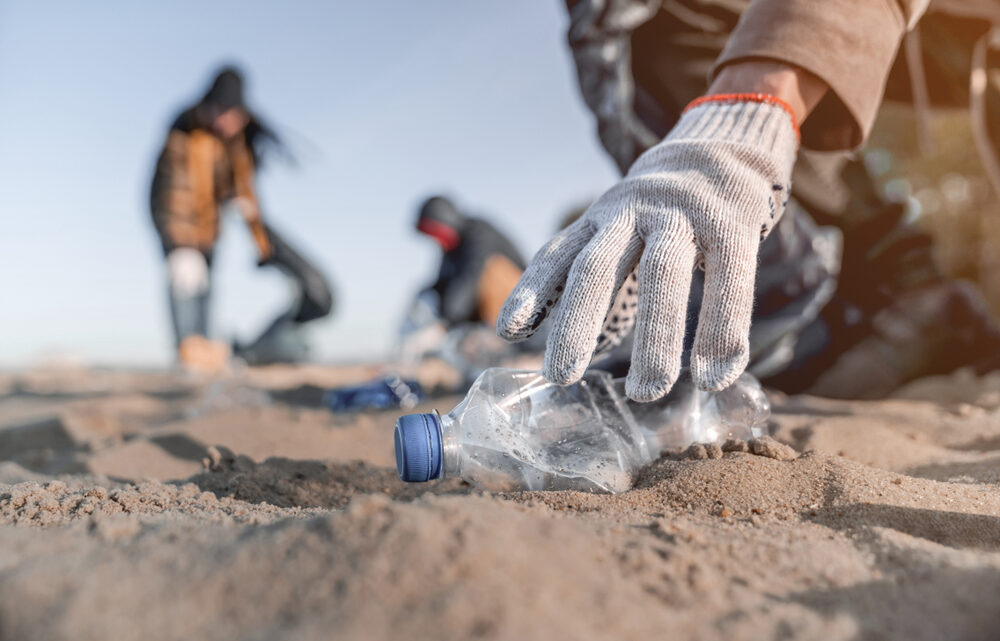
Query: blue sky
x,y
387,102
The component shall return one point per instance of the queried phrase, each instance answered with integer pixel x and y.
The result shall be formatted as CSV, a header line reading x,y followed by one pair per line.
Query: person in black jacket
x,y
479,265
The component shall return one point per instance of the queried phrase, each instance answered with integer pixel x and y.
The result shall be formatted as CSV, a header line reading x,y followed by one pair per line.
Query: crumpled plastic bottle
x,y
517,431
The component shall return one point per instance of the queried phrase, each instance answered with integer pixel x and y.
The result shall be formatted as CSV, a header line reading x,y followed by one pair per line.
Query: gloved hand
x,y
706,195
187,272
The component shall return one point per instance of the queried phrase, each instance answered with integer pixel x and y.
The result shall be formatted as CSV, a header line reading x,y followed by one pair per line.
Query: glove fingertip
x,y
562,371
517,321
513,334
645,391
713,375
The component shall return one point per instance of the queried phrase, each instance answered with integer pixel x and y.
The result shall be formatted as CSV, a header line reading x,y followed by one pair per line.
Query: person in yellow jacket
x,y
209,159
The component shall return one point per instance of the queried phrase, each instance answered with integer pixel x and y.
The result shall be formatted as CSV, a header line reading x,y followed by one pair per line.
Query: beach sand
x,y
145,505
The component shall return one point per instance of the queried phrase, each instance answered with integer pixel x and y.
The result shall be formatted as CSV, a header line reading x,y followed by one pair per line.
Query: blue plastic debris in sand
x,y
390,392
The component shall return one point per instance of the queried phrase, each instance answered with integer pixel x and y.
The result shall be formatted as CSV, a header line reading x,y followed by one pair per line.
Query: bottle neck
x,y
451,446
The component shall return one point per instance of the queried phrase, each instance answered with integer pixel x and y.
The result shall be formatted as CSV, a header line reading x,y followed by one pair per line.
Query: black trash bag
x,y
283,340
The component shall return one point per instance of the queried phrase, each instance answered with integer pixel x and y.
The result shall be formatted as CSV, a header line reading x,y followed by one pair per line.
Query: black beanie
x,y
226,91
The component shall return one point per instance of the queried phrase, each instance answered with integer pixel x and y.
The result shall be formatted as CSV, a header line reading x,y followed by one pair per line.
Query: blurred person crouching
x,y
455,317
479,265
209,160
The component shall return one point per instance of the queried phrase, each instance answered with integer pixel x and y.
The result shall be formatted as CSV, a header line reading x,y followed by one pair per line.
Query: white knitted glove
x,y
706,195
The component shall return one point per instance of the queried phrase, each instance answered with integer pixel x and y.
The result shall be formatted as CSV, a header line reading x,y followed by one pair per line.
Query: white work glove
x,y
187,271
706,195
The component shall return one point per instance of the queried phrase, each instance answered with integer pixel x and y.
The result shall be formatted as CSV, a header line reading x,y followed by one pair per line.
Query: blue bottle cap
x,y
418,447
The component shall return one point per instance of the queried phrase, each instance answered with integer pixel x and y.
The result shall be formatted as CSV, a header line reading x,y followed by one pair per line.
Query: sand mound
x,y
538,566
56,503
379,570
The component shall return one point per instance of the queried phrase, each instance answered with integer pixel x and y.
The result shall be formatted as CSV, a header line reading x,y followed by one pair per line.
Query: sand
x,y
145,505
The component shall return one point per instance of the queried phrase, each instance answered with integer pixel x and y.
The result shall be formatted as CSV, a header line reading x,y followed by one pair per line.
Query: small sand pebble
x,y
695,451
214,457
735,445
767,446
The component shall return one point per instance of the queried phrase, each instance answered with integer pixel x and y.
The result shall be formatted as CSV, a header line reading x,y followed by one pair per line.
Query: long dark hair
x,y
226,92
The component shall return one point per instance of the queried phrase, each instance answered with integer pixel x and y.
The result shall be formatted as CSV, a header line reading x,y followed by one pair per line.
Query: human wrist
x,y
753,123
797,88
760,120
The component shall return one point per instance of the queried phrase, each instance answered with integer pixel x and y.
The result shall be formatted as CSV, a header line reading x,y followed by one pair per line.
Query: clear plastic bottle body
x,y
688,415
515,430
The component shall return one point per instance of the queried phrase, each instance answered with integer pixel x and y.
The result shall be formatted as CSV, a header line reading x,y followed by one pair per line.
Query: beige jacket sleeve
x,y
849,44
